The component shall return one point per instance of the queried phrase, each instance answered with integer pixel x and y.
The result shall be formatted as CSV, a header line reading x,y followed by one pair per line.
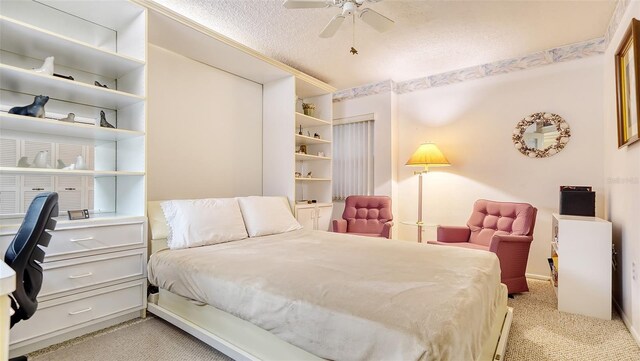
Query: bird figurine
x,y
23,162
35,109
69,119
61,164
41,160
47,66
103,121
80,163
97,83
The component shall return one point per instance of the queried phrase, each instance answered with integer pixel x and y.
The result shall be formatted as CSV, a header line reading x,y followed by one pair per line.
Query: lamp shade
x,y
428,155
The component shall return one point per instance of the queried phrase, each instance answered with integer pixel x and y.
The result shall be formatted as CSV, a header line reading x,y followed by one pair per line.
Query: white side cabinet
x,y
582,250
94,275
314,216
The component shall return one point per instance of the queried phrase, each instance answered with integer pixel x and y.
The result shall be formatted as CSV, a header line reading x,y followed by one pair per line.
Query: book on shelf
x,y
554,270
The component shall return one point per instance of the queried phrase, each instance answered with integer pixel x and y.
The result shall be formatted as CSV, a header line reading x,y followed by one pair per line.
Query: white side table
x,y
7,285
425,226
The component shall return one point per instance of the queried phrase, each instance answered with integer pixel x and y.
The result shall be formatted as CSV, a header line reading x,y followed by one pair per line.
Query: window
x,y
353,157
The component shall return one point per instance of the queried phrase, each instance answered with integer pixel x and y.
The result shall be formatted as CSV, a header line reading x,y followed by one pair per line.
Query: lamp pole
x,y
419,222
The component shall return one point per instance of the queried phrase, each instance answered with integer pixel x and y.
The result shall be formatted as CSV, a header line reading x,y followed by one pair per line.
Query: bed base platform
x,y
241,340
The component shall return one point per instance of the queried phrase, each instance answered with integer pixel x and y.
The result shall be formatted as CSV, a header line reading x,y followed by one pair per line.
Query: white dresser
x,y
582,248
316,216
94,277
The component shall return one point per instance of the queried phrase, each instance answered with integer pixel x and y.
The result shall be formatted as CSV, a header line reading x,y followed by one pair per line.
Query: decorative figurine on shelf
x,y
302,149
298,174
310,175
23,162
308,134
47,67
308,109
300,132
35,109
320,154
97,83
69,119
316,135
80,163
61,164
103,121
41,160
68,77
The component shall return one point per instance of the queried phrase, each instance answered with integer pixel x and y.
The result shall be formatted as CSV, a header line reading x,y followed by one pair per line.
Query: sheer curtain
x,y
352,159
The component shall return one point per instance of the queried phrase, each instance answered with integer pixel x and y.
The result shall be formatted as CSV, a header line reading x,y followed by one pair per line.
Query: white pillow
x,y
267,215
200,222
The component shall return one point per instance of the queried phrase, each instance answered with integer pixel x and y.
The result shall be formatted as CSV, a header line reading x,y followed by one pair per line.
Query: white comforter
x,y
345,297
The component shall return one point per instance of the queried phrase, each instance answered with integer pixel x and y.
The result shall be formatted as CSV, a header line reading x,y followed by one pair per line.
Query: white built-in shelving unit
x,y
94,269
288,131
91,41
581,254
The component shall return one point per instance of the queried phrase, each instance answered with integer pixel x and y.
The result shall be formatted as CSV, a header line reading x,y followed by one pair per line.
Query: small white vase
x,y
41,160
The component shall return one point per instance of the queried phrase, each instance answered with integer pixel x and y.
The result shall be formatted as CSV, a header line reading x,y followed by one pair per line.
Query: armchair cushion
x,y
505,218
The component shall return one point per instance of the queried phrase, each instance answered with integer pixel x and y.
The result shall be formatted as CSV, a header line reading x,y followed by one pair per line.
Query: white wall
x,y
472,122
385,145
204,130
622,190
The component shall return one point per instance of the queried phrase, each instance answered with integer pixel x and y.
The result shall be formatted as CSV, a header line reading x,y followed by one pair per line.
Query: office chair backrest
x,y
23,252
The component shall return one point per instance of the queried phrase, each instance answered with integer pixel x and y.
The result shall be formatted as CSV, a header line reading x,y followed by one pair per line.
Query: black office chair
x,y
24,255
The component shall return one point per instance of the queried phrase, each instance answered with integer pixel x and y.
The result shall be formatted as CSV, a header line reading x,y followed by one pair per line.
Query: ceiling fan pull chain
x,y
353,50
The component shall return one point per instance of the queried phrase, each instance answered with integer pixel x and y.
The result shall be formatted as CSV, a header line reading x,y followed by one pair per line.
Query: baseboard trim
x,y
537,277
627,322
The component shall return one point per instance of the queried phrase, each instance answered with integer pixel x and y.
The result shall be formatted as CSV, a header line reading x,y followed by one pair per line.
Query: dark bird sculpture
x,y
103,121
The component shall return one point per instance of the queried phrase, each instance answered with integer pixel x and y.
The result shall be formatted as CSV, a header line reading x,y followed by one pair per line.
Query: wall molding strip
x,y
560,54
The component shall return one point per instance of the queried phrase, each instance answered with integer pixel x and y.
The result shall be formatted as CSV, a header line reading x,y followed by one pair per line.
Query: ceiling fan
x,y
374,19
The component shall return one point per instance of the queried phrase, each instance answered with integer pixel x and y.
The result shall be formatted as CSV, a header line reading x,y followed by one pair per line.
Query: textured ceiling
x,y
429,37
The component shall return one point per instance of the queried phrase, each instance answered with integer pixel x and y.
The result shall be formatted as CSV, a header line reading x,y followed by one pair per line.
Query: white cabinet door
x,y
70,190
9,184
32,185
324,217
306,216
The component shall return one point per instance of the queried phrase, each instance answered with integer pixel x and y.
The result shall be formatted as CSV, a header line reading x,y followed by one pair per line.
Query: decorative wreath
x,y
564,133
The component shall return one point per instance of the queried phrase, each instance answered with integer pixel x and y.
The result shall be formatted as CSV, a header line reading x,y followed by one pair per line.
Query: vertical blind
x,y
352,159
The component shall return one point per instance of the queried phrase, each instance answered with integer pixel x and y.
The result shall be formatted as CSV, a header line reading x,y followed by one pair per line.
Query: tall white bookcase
x,y
582,250
94,269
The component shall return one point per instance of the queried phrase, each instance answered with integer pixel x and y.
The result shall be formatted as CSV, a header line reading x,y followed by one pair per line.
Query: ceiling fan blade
x,y
305,4
332,27
376,20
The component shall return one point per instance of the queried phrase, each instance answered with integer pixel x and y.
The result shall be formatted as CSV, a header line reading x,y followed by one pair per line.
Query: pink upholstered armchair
x,y
366,216
503,228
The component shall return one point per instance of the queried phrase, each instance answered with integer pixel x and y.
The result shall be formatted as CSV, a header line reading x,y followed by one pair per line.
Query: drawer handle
x,y
71,313
69,189
81,276
81,239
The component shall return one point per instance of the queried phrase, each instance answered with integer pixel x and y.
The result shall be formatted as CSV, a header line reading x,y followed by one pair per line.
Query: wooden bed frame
x,y
242,340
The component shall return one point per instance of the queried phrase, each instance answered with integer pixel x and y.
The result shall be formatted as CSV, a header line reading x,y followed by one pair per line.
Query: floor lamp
x,y
427,155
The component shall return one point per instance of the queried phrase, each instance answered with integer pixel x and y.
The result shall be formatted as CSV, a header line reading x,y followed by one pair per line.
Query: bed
x,y
309,295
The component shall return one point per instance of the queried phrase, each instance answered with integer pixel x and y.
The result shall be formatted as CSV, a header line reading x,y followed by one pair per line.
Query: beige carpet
x,y
538,333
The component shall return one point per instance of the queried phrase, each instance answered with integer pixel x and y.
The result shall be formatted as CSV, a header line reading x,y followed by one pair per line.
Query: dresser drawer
x,y
66,243
66,312
68,275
